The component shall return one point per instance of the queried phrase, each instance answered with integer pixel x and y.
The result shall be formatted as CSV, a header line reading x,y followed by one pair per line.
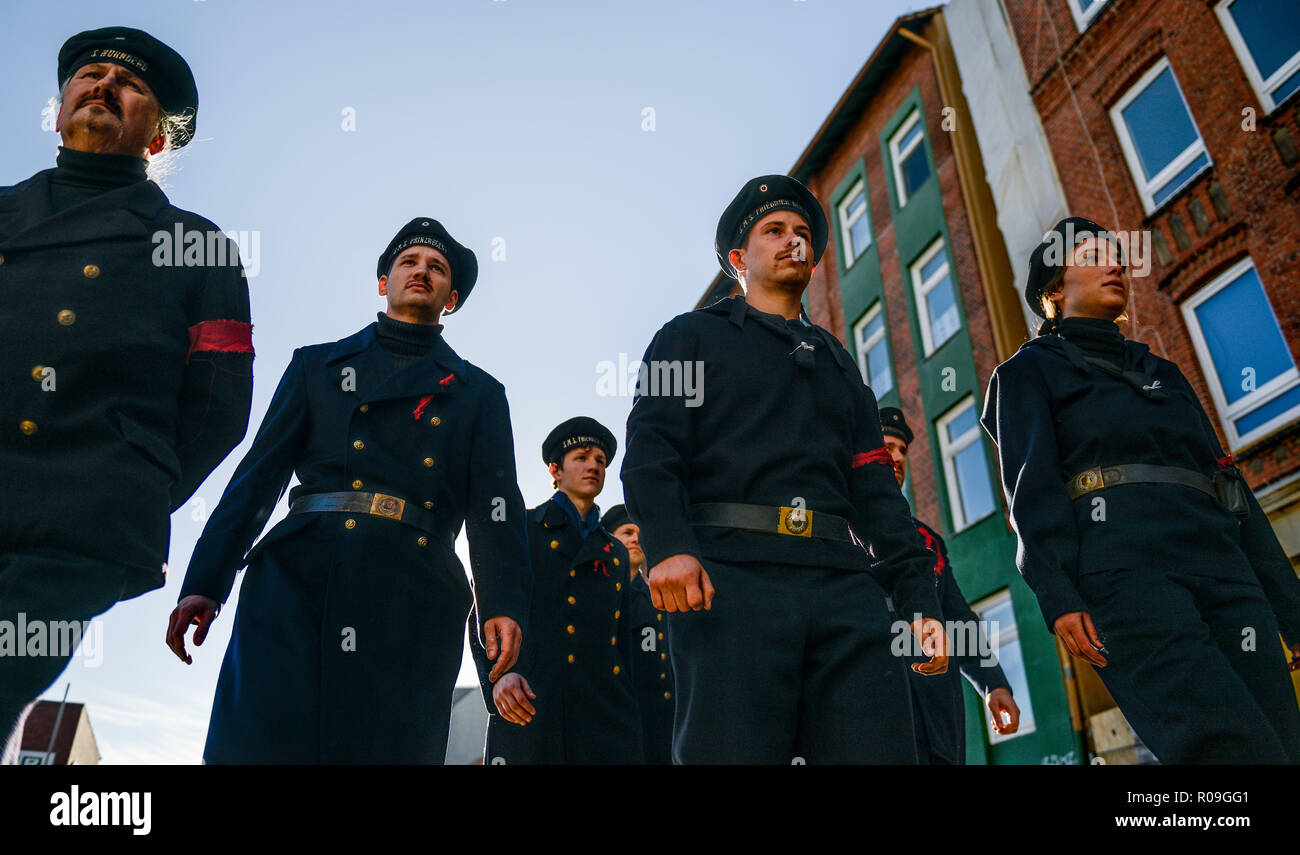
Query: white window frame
x,y
899,156
1146,189
1284,382
948,450
851,252
863,348
995,643
1084,19
921,289
1263,88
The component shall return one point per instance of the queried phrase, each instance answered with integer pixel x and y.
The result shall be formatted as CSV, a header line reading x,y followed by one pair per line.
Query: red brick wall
x,y
1075,79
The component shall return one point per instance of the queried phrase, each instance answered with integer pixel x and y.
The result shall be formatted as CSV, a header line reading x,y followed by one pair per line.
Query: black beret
x,y
426,231
759,197
578,431
1055,251
163,69
615,517
892,423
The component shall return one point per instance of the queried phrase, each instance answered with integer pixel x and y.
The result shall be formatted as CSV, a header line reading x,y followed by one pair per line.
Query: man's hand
x,y
502,635
1000,703
1080,637
934,643
194,610
512,696
680,584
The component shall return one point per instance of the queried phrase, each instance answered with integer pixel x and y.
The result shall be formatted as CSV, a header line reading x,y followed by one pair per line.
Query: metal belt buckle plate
x,y
1088,480
387,506
795,521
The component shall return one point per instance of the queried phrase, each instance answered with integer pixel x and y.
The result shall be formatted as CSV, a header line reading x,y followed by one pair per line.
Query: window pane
x,y
942,306
878,366
1159,124
1013,664
916,168
1001,615
931,267
1173,185
860,235
1275,407
911,135
1085,5
961,424
1238,307
857,203
1286,87
1271,29
973,482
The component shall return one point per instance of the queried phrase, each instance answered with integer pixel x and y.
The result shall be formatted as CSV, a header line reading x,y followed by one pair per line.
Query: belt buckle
x,y
795,521
1089,480
383,505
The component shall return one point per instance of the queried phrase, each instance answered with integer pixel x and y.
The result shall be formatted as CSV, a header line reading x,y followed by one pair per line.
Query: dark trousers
x,y
1195,666
792,664
40,589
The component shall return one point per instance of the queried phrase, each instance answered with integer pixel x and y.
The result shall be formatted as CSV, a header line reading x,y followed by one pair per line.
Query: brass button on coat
x,y
423,541
90,271
613,639
67,317
573,601
365,408
38,373
570,629
617,669
428,506
351,523
661,636
573,572
435,421
570,658
663,655
667,695
2,258
617,614
428,462
555,544
27,427
358,445
618,586
356,485
615,562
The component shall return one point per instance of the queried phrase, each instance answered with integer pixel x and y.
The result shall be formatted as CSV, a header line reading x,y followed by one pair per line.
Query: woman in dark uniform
x,y
1149,555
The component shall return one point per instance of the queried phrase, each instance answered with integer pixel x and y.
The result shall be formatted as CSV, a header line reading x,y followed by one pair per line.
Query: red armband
x,y
220,337
879,455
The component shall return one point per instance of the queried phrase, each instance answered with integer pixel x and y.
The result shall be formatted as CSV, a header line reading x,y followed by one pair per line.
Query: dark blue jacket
x,y
340,421
652,675
151,382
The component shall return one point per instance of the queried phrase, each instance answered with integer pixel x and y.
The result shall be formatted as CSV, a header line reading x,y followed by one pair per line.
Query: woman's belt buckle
x,y
383,505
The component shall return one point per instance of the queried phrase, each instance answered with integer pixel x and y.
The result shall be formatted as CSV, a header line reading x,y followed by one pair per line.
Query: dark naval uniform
x,y
124,384
938,707
793,659
576,654
1176,585
652,675
348,636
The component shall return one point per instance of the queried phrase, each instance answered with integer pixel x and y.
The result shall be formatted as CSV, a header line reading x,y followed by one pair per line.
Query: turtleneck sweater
x,y
403,342
1095,337
82,175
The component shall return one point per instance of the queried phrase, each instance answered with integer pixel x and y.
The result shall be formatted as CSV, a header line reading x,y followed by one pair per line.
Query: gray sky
x,y
517,123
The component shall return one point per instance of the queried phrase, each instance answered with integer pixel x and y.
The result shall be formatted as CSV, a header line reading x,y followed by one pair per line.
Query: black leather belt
x,y
796,522
1101,477
375,504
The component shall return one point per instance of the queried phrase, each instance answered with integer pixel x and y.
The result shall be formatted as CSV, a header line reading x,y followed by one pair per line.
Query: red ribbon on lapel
x,y
446,381
419,411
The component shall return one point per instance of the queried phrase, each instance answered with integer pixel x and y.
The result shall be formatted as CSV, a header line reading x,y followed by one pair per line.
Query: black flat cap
x,y
615,517
578,431
163,69
426,231
1055,251
892,423
759,197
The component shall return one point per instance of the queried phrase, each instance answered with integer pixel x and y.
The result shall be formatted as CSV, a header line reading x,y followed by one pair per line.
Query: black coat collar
x,y
28,221
440,371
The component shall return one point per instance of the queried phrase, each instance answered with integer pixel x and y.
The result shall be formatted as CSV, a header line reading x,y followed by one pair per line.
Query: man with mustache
x,y
349,633
752,507
569,698
125,380
938,712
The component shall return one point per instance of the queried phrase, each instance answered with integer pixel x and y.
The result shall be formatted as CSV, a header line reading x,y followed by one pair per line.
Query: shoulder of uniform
x,y
477,375
1030,357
